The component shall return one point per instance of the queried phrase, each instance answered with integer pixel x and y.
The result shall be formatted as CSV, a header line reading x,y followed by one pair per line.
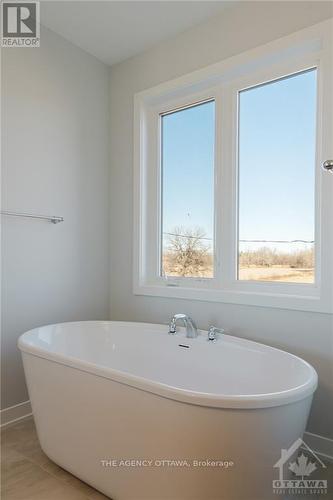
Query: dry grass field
x,y
277,273
299,270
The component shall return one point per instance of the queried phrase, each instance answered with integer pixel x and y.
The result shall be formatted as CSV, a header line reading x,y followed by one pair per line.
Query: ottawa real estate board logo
x,y
297,468
20,25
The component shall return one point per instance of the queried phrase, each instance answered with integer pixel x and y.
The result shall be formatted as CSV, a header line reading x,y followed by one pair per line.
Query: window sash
x,y
284,77
260,78
154,180
161,201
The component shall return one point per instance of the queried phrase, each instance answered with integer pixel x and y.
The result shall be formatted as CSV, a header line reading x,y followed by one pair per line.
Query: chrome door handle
x,y
328,165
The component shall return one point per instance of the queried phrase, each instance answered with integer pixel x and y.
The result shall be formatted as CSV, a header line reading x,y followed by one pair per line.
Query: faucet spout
x,y
191,328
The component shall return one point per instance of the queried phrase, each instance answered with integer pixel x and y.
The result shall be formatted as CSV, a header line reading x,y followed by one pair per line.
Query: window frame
x,y
260,78
303,50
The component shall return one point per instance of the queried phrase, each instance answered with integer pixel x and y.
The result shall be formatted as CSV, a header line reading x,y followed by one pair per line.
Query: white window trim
x,y
308,48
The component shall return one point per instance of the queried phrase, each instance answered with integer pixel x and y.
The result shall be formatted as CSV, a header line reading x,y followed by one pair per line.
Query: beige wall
x,y
240,28
54,161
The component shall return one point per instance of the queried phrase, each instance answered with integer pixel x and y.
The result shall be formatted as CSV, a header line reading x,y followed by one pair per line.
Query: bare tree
x,y
187,255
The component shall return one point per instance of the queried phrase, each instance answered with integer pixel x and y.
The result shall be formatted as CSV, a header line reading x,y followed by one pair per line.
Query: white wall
x,y
55,120
240,28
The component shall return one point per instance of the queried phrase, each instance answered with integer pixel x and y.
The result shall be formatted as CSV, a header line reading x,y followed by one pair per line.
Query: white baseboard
x,y
15,413
319,444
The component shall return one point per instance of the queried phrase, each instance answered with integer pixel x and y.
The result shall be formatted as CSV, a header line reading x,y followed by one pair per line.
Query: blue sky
x,y
276,162
188,168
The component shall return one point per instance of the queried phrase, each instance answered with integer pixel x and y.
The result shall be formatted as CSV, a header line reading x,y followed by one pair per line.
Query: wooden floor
x,y
28,474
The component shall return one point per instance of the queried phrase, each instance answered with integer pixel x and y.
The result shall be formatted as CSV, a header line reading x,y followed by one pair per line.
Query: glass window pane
x,y
187,161
277,136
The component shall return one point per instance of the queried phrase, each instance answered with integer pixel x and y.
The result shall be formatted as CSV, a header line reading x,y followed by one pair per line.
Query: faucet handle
x,y
173,322
172,327
213,332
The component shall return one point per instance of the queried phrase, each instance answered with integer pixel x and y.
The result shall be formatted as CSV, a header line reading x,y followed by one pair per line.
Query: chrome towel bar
x,y
50,218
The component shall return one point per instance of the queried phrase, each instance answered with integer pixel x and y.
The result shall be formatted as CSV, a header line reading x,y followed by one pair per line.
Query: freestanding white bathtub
x,y
140,414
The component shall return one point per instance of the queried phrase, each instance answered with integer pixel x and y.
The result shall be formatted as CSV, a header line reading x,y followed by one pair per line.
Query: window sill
x,y
309,301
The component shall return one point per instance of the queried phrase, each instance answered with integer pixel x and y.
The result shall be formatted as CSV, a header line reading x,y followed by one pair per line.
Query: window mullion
x,y
228,187
218,186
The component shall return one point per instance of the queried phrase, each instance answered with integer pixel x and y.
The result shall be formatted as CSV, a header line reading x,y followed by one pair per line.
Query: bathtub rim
x,y
212,400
